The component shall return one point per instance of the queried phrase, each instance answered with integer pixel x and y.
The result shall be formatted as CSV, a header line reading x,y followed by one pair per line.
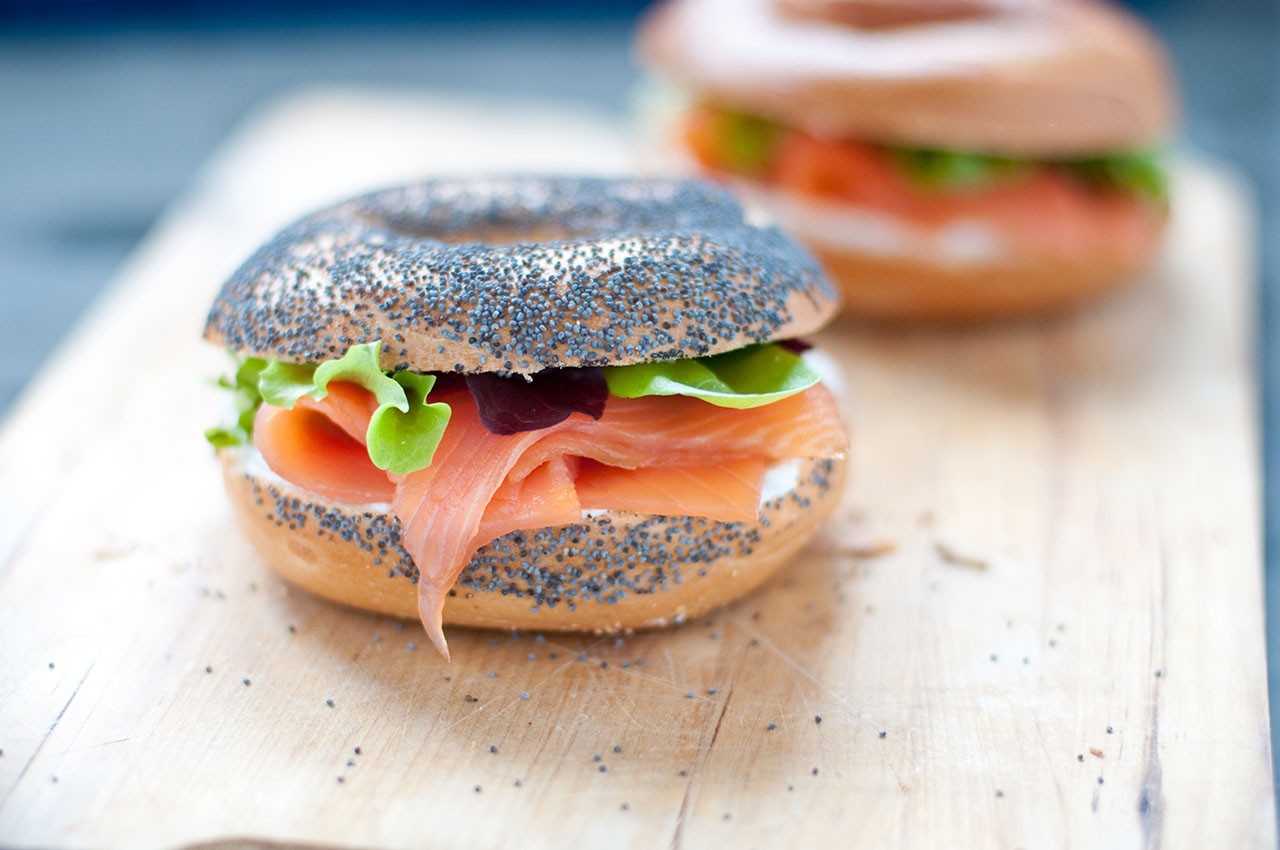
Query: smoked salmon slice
x,y
649,455
729,492
305,446
1040,208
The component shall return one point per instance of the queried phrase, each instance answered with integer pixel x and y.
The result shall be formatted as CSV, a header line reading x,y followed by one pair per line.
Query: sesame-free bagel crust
x,y
613,571
517,275
1030,79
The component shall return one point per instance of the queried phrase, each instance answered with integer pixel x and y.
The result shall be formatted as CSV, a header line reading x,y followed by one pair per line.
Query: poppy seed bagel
x,y
522,274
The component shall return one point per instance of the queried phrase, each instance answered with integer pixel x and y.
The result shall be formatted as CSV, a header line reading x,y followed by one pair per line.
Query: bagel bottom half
x,y
614,571
896,289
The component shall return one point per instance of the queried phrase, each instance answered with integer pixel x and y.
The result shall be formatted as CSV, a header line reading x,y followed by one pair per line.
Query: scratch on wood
x,y
1150,808
772,647
677,836
97,746
1150,804
48,733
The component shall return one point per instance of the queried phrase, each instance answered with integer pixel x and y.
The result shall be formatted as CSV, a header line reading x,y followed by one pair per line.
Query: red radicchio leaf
x,y
509,405
795,346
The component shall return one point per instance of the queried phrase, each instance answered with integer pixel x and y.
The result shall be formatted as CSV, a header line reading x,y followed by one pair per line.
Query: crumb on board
x,y
951,556
865,551
1095,752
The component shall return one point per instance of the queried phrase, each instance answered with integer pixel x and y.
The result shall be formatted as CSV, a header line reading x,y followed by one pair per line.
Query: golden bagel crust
x,y
873,14
1031,79
522,274
613,572
895,289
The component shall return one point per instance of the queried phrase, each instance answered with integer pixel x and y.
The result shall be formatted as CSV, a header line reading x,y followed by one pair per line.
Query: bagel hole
x,y
503,237
891,14
497,233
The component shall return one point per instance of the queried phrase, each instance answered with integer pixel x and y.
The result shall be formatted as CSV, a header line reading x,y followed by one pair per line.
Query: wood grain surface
x,y
1036,622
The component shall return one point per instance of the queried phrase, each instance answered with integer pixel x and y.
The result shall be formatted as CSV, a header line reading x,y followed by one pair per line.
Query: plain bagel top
x,y
522,274
1029,78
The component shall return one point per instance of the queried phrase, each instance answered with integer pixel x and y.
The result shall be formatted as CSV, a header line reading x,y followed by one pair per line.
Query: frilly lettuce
x,y
749,377
243,385
749,144
403,432
406,428
1138,171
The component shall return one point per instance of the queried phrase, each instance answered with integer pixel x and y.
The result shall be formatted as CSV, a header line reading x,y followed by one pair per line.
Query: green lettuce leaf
x,y
1141,172
243,386
403,432
749,377
949,170
282,384
747,142
1137,172
404,439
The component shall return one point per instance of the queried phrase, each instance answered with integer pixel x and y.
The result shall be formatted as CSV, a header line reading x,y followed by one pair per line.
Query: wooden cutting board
x,y
1036,621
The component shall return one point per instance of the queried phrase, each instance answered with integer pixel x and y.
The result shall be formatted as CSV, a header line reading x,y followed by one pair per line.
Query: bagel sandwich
x,y
946,160
529,403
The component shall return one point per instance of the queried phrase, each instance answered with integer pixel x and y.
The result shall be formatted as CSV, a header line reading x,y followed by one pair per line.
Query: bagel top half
x,y
1023,78
517,275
